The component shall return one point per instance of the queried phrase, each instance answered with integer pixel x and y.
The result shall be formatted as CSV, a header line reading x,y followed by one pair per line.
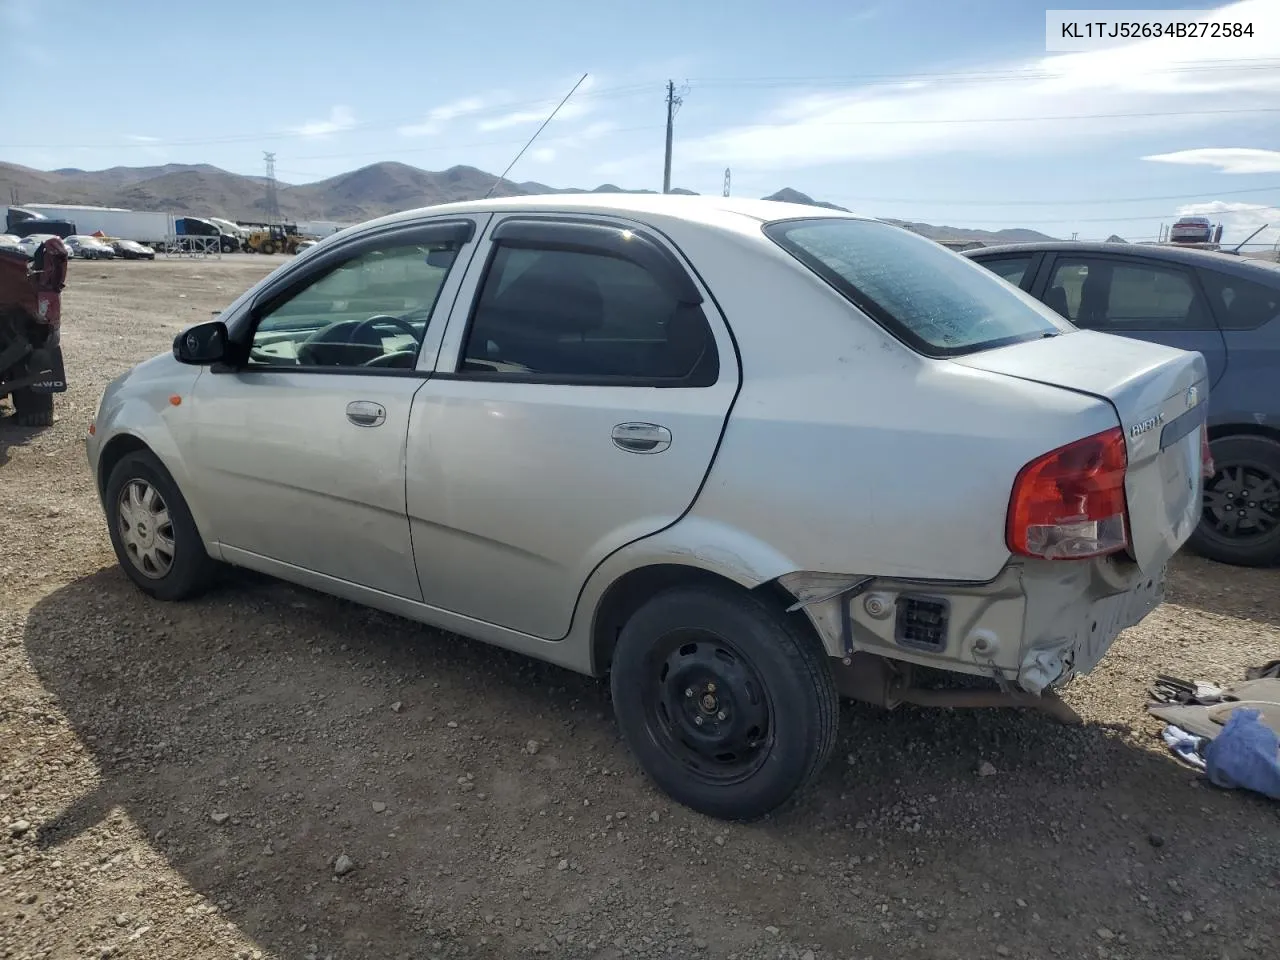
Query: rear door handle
x,y
366,413
641,437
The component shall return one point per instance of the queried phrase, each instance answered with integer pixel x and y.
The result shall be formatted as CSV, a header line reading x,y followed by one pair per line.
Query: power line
x,y
1131,219
961,120
1012,76
1064,200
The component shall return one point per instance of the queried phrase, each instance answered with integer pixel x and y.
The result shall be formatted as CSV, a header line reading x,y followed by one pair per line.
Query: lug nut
x,y
698,721
688,691
720,715
711,688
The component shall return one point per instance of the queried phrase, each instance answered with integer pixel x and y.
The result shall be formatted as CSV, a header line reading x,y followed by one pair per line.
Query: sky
x,y
945,111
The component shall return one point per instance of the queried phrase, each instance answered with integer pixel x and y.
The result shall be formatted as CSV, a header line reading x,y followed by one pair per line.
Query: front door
x,y
583,387
300,449
1143,299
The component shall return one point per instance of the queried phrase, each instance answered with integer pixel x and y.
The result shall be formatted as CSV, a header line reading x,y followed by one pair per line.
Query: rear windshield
x,y
936,301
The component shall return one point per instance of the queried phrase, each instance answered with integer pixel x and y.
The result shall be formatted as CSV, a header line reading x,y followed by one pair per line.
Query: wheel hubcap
x,y
1242,502
145,529
708,708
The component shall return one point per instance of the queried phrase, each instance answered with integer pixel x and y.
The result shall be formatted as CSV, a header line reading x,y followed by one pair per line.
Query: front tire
x,y
729,706
152,531
1241,520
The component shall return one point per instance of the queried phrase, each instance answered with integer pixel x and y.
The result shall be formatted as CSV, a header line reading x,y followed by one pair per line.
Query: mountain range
x,y
380,188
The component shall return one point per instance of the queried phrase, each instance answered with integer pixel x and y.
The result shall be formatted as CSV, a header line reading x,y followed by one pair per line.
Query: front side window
x,y
1010,269
1108,295
577,316
936,301
370,311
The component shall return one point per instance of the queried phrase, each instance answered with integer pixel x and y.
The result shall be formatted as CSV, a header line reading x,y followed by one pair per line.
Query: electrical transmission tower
x,y
726,181
673,105
273,201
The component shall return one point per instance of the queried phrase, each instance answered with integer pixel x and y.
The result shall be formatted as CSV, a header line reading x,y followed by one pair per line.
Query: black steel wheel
x,y
1241,520
728,704
707,707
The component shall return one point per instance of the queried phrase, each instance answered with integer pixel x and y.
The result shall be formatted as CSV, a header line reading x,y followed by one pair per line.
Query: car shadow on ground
x,y
1244,593
12,435
254,735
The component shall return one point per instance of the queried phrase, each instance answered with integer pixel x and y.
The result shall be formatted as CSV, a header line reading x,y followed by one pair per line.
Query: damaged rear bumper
x,y
1034,627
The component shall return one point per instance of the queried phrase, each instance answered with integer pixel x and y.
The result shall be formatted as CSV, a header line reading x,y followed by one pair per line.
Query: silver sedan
x,y
739,456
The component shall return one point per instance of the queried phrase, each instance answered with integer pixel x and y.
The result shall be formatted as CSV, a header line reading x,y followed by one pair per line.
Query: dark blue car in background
x,y
1227,308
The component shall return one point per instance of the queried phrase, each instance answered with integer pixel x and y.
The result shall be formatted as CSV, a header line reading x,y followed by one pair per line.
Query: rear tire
x,y
152,531
268,248
1247,481
33,409
729,706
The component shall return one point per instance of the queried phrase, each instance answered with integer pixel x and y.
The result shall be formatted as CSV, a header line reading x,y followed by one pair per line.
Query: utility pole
x,y
273,201
673,102
726,181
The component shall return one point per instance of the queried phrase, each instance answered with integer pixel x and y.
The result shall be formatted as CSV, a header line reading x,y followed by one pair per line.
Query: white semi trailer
x,y
140,225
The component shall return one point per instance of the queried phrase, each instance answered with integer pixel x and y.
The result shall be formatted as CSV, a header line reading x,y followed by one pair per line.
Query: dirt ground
x,y
177,781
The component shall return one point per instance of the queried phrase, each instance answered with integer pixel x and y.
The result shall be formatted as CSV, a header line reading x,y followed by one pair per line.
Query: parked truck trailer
x,y
140,225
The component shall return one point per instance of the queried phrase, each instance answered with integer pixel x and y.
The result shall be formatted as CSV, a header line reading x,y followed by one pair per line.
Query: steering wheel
x,y
393,359
385,320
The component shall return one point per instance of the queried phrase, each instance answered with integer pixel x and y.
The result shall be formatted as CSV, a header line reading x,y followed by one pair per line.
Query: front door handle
x,y
366,413
641,437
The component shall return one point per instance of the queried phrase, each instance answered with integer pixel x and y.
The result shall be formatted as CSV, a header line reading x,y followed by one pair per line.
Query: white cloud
x,y
437,117
340,118
888,121
576,108
865,14
542,154
1239,220
1226,159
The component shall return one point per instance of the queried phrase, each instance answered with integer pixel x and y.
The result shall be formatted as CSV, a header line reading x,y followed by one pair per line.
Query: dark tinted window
x,y
937,301
572,315
1012,269
1239,303
1101,294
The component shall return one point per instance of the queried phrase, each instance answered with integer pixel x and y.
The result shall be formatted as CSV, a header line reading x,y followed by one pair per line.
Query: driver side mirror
x,y
201,345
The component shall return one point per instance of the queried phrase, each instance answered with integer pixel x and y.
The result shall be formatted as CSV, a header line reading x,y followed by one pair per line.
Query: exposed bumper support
x,y
1034,627
876,680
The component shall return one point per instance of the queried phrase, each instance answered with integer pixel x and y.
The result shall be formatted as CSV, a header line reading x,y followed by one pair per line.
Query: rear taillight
x,y
1069,503
1206,457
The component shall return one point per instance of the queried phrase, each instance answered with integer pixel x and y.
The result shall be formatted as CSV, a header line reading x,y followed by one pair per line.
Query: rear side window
x,y
576,317
936,301
1239,303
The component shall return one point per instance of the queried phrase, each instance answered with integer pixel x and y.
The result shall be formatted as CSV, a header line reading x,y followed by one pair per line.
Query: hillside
x,y
204,190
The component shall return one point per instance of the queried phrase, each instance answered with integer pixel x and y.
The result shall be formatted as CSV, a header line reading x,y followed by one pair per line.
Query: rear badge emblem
x,y
1193,397
1147,425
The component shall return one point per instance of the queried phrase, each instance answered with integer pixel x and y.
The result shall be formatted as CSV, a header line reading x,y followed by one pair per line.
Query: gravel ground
x,y
272,773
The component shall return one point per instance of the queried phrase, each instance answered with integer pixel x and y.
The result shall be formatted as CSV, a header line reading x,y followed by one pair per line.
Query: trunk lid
x,y
1160,395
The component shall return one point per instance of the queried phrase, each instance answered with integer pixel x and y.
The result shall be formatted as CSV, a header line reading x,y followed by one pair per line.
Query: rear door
x,y
582,389
1156,301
